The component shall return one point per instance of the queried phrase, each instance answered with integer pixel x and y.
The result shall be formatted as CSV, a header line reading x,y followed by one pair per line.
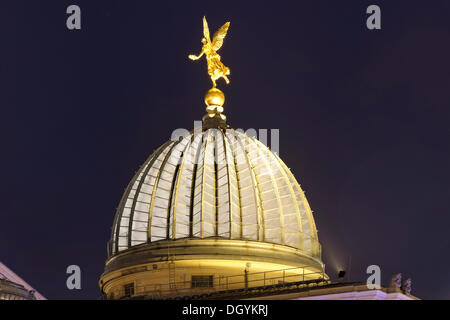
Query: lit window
x,y
202,281
129,289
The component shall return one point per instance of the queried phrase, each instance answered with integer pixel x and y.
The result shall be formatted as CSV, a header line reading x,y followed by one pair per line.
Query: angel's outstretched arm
x,y
194,57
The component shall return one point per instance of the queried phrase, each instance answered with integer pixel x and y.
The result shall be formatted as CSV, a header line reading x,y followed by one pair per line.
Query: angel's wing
x,y
206,30
219,36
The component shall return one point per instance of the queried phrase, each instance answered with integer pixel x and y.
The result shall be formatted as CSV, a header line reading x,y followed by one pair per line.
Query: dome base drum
x,y
188,267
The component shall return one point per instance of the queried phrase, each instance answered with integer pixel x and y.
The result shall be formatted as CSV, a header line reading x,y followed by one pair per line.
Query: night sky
x,y
363,117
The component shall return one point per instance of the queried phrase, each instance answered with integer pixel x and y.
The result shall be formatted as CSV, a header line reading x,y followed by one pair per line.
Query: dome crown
x,y
214,183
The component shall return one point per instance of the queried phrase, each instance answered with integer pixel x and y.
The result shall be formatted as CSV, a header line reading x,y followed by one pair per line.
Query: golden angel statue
x,y
216,68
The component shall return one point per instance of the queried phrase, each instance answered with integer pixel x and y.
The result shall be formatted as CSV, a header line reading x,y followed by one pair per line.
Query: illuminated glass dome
x,y
214,183
212,209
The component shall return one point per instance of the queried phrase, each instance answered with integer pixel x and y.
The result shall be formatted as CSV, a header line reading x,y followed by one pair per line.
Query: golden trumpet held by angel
x,y
216,69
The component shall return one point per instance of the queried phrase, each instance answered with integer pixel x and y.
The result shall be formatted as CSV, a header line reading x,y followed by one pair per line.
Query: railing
x,y
245,281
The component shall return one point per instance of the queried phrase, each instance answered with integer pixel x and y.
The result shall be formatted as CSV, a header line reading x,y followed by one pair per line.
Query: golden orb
x,y
214,97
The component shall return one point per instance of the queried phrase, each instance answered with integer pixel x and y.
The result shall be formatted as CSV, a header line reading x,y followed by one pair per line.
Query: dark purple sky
x,y
363,117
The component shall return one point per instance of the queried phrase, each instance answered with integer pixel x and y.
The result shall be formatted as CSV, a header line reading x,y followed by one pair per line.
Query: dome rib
x,y
135,200
244,205
203,221
276,192
219,224
311,226
159,192
139,199
193,184
260,226
198,189
287,182
114,242
232,159
226,164
174,191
